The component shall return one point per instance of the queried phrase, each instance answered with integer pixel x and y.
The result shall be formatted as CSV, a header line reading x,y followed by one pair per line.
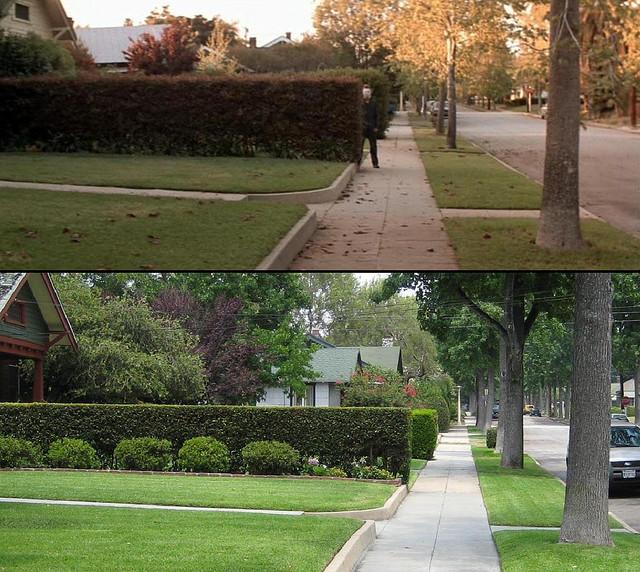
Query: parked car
x,y
624,456
496,412
544,110
619,417
536,413
435,110
527,409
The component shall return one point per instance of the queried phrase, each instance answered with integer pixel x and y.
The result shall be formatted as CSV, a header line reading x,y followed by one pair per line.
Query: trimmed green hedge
x,y
492,437
339,436
284,116
631,411
424,433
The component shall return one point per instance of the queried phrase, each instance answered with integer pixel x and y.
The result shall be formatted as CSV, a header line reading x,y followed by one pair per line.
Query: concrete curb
x,y
327,195
382,513
352,552
96,504
201,196
292,244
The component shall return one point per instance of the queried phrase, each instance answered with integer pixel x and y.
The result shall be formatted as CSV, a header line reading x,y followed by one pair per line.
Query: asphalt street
x,y
609,165
546,441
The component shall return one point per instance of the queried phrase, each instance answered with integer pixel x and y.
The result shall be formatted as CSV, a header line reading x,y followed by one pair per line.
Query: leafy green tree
x,y
521,296
127,354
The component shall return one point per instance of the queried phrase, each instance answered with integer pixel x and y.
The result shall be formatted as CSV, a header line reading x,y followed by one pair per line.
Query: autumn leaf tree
x,y
357,27
175,52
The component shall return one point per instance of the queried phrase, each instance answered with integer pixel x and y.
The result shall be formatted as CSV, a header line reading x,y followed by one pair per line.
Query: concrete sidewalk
x,y
442,526
386,220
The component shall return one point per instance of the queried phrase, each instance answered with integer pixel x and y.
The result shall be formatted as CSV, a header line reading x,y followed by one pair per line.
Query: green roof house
x,y
334,366
32,320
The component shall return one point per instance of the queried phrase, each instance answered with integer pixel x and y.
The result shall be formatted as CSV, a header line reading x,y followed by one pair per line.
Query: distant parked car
x,y
527,409
496,412
536,413
619,417
624,456
544,110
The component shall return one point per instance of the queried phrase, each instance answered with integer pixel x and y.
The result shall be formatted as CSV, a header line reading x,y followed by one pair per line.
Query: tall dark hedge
x,y
283,116
337,435
424,433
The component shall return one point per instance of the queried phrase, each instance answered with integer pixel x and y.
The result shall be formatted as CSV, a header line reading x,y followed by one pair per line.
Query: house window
x,y
17,314
23,12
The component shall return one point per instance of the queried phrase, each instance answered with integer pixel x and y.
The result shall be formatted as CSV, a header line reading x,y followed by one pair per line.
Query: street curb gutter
x,y
352,552
382,513
292,244
327,195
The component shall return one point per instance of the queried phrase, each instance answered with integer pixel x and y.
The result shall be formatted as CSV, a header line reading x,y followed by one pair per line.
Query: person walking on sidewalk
x,y
371,122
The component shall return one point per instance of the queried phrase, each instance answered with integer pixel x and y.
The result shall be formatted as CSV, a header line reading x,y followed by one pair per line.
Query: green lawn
x,y
502,244
416,466
218,492
540,550
528,497
212,174
76,231
469,178
71,538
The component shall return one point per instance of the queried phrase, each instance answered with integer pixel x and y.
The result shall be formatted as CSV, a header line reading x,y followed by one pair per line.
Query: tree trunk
x,y
452,130
491,387
548,404
586,518
503,392
514,312
442,98
560,217
473,402
621,382
480,387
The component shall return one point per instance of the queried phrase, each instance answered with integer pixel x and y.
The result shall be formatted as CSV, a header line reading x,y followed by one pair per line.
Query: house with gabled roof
x,y
32,321
335,366
45,18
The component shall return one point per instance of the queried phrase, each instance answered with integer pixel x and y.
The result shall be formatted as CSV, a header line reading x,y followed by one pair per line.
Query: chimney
x,y
288,34
253,43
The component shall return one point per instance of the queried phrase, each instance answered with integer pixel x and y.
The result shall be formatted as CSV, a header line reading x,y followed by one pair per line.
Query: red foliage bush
x,y
284,116
174,53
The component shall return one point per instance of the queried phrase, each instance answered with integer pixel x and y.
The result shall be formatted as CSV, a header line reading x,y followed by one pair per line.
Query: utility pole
x,y
634,106
459,388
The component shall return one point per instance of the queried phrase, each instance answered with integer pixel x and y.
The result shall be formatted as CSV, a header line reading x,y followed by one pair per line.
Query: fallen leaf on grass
x,y
487,236
131,215
154,215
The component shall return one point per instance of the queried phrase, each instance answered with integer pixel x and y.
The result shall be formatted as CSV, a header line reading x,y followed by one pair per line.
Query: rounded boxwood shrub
x,y
19,453
424,433
492,436
144,454
204,455
270,458
72,454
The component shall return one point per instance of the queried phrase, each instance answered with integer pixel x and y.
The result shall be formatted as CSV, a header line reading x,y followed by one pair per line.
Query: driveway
x,y
546,441
610,169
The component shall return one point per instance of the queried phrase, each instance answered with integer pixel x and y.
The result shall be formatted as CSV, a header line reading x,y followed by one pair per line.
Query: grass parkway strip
x,y
260,175
469,178
69,538
533,497
76,231
306,495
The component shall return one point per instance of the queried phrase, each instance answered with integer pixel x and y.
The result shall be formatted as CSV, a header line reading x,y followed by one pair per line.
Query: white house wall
x,y
335,397
39,23
275,397
322,395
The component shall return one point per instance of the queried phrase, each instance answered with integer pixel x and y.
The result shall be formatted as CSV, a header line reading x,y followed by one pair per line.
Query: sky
x,y
265,19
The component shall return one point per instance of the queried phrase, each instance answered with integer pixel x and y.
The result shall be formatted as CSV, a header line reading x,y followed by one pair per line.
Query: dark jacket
x,y
370,116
